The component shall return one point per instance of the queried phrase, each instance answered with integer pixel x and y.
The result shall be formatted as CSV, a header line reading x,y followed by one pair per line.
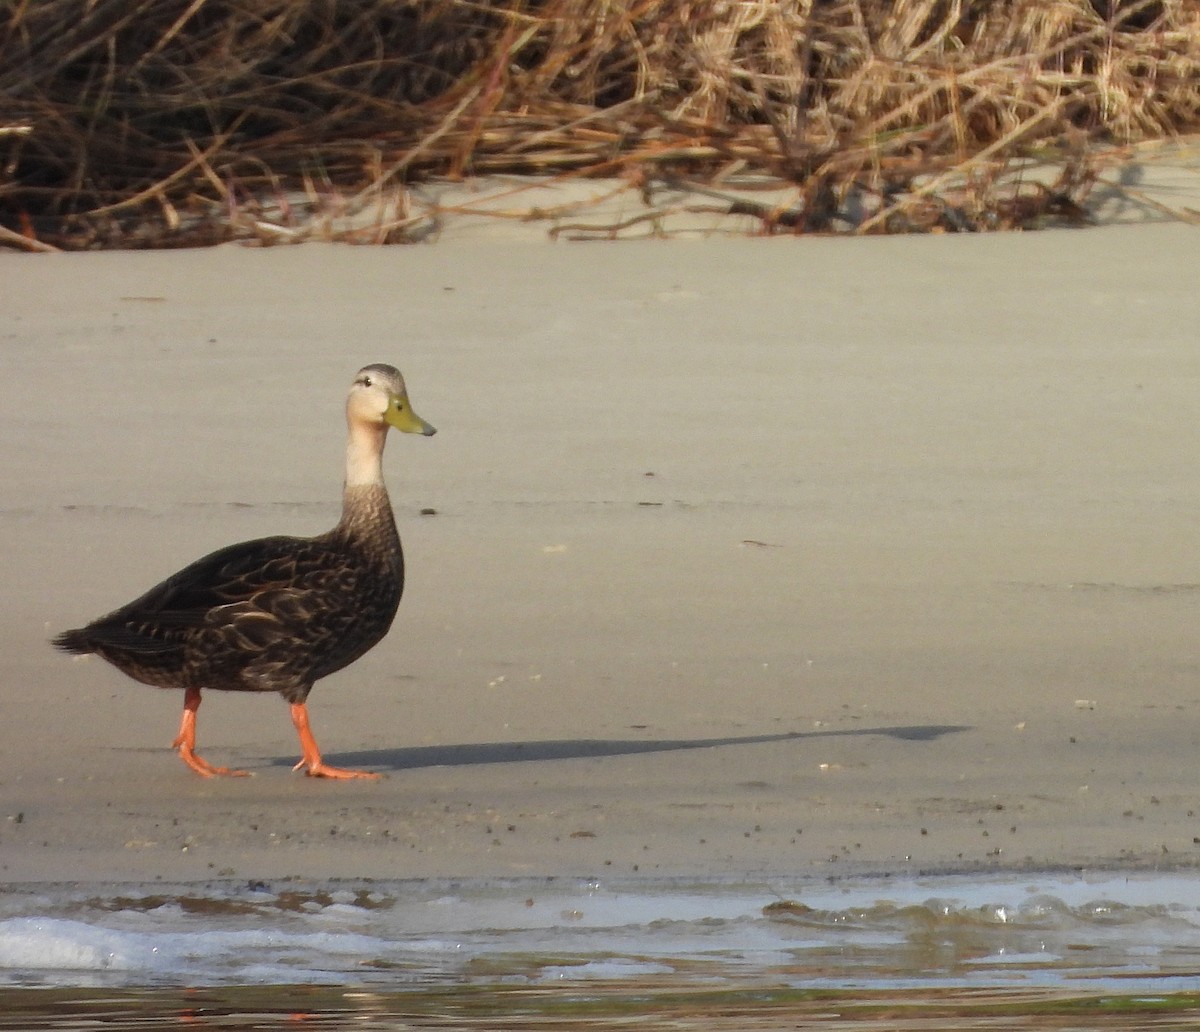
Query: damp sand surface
x,y
736,556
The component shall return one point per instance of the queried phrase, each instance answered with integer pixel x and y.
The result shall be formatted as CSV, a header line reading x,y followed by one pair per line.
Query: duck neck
x,y
366,511
364,455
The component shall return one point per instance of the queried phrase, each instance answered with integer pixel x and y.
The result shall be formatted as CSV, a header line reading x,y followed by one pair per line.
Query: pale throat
x,y
364,455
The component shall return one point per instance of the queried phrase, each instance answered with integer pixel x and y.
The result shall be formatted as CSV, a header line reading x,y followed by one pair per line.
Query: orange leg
x,y
185,742
311,760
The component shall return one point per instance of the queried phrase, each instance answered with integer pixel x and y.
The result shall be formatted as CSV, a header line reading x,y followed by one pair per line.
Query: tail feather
x,y
75,641
105,639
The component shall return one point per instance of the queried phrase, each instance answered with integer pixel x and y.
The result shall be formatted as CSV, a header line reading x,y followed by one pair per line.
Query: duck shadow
x,y
414,757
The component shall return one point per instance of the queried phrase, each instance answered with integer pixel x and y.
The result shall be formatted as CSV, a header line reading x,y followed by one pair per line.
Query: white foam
x,y
51,944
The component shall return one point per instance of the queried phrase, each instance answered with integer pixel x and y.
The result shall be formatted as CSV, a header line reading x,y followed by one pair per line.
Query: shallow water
x,y
1111,950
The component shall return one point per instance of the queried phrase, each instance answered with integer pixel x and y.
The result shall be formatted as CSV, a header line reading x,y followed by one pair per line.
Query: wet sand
x,y
748,556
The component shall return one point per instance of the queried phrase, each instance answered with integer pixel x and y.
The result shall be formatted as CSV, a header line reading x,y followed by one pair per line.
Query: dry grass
x,y
170,122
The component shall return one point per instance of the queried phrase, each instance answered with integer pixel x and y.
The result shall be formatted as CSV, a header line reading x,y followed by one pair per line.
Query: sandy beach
x,y
744,555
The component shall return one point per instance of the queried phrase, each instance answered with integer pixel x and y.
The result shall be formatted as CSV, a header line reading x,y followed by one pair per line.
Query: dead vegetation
x,y
135,123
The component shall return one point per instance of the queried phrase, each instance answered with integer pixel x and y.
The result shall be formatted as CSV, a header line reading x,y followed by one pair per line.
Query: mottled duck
x,y
280,613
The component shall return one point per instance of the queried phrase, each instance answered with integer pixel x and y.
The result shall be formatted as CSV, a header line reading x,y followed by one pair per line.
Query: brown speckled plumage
x,y
272,615
279,613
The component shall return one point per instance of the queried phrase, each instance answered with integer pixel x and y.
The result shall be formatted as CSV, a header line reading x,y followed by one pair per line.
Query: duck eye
x,y
366,381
